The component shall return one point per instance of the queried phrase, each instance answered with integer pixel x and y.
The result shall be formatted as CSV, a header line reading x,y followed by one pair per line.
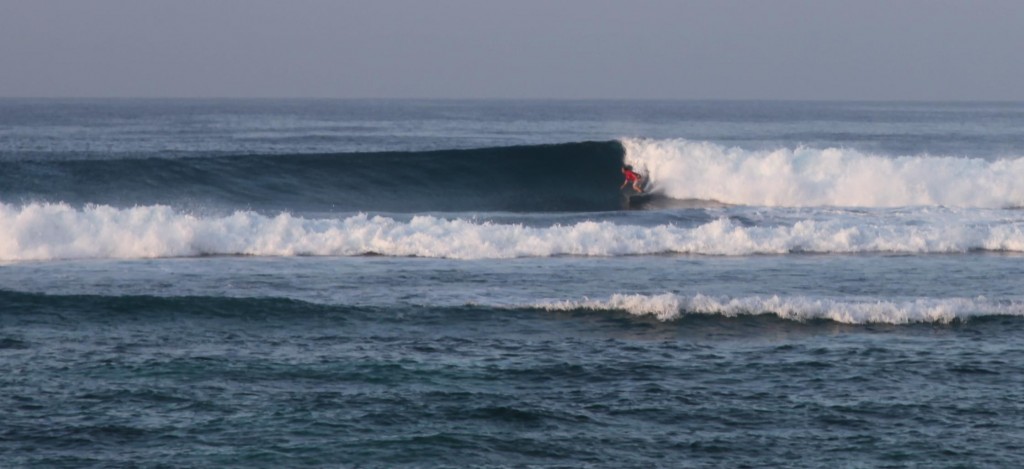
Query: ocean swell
x,y
580,176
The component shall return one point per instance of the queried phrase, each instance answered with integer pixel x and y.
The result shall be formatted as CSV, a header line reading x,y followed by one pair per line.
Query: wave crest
x,y
58,231
669,306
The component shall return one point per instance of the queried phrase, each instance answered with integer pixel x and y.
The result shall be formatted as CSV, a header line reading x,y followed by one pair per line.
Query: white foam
x,y
58,231
806,177
669,306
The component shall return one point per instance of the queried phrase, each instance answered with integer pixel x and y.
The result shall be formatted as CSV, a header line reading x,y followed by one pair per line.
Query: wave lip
x,y
58,231
669,307
809,177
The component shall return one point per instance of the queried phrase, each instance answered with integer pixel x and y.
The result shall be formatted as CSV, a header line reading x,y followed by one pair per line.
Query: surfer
x,y
627,171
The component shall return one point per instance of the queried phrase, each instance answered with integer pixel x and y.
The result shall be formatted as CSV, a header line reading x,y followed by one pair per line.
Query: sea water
x,y
318,283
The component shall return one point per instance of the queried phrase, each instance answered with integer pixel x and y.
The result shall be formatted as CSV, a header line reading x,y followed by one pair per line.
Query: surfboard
x,y
633,199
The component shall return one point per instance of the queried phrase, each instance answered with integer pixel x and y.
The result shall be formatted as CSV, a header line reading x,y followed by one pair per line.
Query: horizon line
x,y
549,99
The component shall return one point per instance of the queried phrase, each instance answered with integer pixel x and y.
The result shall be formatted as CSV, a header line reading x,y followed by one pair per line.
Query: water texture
x,y
300,283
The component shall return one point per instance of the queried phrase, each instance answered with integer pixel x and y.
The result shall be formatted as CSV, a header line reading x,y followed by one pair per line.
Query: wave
x,y
59,231
669,307
566,177
569,177
809,177
664,307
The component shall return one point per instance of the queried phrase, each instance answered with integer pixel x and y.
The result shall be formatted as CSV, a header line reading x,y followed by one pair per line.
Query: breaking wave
x,y
808,177
669,306
39,231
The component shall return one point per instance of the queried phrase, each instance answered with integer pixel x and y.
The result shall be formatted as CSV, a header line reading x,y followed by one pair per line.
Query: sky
x,y
515,49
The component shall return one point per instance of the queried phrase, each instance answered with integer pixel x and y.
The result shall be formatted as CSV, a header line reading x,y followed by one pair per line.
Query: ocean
x,y
406,284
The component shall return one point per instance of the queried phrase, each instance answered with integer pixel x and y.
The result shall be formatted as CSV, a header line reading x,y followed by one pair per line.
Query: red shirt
x,y
631,176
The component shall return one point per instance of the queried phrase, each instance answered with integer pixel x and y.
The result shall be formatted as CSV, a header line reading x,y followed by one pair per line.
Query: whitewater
x,y
805,176
59,231
669,306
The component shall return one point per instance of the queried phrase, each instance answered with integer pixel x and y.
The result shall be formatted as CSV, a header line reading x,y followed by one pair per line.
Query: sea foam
x,y
670,306
42,231
808,177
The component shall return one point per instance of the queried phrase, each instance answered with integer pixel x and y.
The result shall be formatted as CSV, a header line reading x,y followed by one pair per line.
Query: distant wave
x,y
669,306
807,177
59,231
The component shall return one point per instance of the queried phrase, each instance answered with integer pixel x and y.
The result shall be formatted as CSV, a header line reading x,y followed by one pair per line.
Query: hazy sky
x,y
681,49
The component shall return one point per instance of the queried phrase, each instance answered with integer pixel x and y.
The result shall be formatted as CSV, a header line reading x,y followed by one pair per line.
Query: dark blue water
x,y
462,284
